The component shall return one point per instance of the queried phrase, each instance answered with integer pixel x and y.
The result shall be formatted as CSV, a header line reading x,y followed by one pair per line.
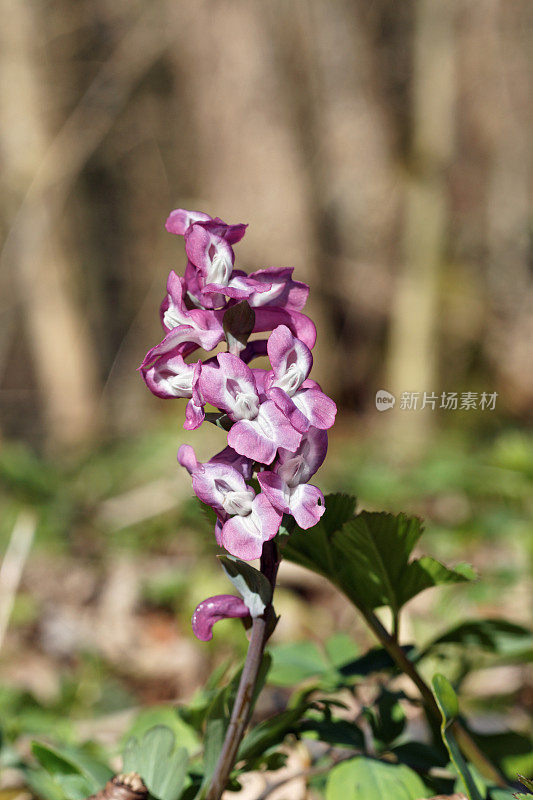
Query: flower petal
x,y
306,505
169,376
214,482
221,606
230,386
244,537
269,317
296,468
179,220
291,360
290,410
319,409
283,291
275,489
228,456
194,416
187,458
260,438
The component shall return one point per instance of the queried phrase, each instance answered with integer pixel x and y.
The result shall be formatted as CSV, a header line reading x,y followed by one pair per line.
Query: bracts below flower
x,y
276,419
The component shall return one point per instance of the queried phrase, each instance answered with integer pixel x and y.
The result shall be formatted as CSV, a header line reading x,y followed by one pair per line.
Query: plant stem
x,y
464,740
261,629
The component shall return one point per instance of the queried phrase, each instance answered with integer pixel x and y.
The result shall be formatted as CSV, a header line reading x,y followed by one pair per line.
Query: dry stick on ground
x,y
13,566
240,715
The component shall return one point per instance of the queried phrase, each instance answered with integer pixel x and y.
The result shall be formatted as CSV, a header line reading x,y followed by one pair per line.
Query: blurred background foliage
x,y
383,150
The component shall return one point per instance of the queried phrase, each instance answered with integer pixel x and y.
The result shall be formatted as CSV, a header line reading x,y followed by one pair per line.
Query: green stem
x,y
464,740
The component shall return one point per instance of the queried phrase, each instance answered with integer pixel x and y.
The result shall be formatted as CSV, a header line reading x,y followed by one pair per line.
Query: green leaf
x,y
449,709
270,732
295,662
75,787
238,323
387,717
160,764
425,572
341,649
71,761
339,732
375,660
366,779
367,556
509,750
168,717
496,636
251,584
420,756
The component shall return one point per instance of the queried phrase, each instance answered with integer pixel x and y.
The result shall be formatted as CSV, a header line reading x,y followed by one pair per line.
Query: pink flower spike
x,y
214,609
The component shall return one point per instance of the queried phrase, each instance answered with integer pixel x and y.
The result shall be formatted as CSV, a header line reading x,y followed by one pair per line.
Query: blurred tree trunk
x,y
64,361
412,358
508,204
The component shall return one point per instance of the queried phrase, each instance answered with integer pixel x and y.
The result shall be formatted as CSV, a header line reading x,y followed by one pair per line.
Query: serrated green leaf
x,y
367,557
423,573
160,764
251,584
366,779
449,709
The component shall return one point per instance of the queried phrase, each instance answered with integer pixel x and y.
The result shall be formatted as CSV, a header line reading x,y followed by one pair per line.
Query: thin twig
x,y
13,566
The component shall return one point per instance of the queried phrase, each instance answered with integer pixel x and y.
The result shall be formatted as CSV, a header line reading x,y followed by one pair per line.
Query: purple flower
x,y
245,520
291,363
286,487
273,287
187,328
260,427
221,606
279,417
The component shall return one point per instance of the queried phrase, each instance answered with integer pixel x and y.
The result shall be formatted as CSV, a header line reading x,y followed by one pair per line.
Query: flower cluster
x,y
276,418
